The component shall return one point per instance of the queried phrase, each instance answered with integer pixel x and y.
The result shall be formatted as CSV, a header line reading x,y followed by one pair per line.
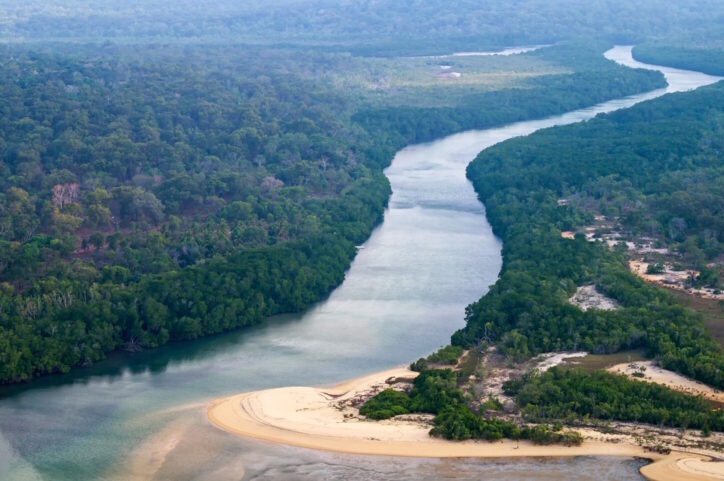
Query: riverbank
x,y
328,419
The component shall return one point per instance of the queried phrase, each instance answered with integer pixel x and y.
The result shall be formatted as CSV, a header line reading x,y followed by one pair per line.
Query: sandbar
x,y
327,419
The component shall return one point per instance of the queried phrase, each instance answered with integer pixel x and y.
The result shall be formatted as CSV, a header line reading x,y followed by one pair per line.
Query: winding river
x,y
143,416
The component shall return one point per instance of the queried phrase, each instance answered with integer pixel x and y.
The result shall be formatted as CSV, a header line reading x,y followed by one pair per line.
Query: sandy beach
x,y
327,419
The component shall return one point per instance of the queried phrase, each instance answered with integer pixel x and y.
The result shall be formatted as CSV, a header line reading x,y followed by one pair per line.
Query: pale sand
x,y
325,419
148,458
554,359
672,279
684,467
587,297
670,379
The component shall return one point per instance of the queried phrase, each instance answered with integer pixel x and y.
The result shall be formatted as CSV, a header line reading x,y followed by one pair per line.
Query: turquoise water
x,y
142,416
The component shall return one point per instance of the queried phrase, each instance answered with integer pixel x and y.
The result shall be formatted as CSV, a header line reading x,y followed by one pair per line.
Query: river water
x,y
143,416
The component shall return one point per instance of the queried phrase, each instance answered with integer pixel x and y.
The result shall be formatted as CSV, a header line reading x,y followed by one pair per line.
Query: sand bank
x,y
670,379
587,297
554,359
150,455
327,419
673,279
684,467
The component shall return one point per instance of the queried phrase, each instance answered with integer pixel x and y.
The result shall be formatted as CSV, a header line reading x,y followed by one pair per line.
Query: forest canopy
x,y
150,201
654,166
386,27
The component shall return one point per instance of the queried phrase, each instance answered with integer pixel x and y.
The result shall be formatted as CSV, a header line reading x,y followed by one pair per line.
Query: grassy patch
x,y
712,311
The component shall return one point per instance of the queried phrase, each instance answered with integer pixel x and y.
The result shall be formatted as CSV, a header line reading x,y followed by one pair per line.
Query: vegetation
x,y
144,202
559,394
641,165
389,403
657,268
436,392
707,60
595,80
433,390
385,27
573,394
711,310
447,355
160,194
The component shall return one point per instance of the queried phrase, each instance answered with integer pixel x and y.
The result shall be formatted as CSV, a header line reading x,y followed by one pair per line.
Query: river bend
x,y
143,416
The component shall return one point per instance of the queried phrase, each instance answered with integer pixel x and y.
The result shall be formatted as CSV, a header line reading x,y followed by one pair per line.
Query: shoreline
x,y
325,419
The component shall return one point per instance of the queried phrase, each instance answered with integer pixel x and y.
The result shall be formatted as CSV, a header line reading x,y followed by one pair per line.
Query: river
x,y
142,416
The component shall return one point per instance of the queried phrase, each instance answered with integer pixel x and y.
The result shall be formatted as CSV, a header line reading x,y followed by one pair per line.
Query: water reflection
x,y
154,362
142,416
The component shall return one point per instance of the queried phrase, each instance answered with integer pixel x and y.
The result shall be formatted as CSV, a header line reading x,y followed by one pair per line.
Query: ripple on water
x,y
403,296
329,467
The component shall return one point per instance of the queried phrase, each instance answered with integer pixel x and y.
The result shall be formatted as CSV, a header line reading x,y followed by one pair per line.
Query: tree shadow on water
x,y
153,361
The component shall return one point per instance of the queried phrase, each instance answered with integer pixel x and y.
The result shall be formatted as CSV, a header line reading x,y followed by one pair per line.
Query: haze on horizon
x,y
365,26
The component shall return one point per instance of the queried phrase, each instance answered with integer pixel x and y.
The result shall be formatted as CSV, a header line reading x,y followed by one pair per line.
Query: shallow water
x,y
140,416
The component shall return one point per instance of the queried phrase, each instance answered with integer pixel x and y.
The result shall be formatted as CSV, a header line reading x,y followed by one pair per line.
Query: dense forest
x,y
657,167
172,170
380,27
701,59
144,202
156,194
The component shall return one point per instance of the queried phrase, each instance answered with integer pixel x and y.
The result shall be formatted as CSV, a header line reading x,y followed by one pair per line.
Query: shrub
x,y
387,404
